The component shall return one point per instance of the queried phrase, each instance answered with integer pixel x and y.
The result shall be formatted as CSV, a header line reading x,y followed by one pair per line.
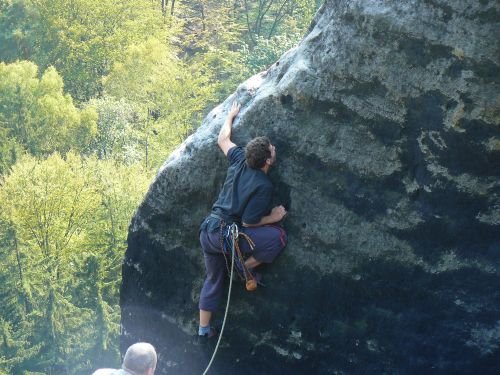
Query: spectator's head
x,y
259,152
140,359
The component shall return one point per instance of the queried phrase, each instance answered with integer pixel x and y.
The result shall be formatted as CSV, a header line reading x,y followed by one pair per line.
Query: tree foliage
x,y
118,135
66,221
36,115
167,95
80,38
18,21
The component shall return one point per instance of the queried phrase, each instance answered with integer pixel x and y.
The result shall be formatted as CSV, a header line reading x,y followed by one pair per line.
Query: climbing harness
x,y
227,240
231,238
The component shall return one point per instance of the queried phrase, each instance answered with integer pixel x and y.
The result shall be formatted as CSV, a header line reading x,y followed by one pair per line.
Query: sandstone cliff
x,y
386,123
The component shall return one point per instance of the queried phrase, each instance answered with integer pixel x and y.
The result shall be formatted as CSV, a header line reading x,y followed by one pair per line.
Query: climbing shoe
x,y
207,338
212,332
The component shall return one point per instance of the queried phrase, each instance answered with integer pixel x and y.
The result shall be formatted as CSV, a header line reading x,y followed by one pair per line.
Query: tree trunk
x,y
27,301
277,19
250,33
203,17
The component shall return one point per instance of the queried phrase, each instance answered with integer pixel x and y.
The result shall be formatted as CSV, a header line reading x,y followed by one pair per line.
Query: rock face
x,y
386,123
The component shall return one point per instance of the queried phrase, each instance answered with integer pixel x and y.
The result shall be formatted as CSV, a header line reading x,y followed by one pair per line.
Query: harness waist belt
x,y
225,220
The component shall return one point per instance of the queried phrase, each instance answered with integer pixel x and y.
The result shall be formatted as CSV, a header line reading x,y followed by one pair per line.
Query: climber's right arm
x,y
224,139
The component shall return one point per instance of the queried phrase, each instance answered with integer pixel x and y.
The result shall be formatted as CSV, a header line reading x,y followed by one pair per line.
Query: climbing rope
x,y
242,271
250,282
234,234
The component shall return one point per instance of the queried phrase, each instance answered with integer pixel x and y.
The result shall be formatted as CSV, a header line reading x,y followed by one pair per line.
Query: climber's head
x,y
260,153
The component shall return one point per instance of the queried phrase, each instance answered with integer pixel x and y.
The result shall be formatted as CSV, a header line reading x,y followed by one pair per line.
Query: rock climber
x,y
245,199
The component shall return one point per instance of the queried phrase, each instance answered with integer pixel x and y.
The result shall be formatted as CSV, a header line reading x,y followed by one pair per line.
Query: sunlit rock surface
x,y
386,123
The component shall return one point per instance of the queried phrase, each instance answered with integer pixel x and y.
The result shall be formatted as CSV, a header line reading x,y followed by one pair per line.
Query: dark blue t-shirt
x,y
246,195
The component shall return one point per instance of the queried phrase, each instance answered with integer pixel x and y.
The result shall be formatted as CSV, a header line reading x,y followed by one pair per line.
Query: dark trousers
x,y
269,242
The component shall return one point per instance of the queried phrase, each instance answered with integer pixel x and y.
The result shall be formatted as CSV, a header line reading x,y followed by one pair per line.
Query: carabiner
x,y
234,232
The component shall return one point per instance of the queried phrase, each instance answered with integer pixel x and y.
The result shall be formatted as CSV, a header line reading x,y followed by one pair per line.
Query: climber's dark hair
x,y
257,151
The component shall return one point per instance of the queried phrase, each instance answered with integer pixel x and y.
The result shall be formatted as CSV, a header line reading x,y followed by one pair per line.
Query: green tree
x,y
272,28
49,204
233,40
118,131
210,42
267,51
36,114
87,36
15,350
80,38
17,304
119,188
10,149
168,96
18,20
268,18
63,236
